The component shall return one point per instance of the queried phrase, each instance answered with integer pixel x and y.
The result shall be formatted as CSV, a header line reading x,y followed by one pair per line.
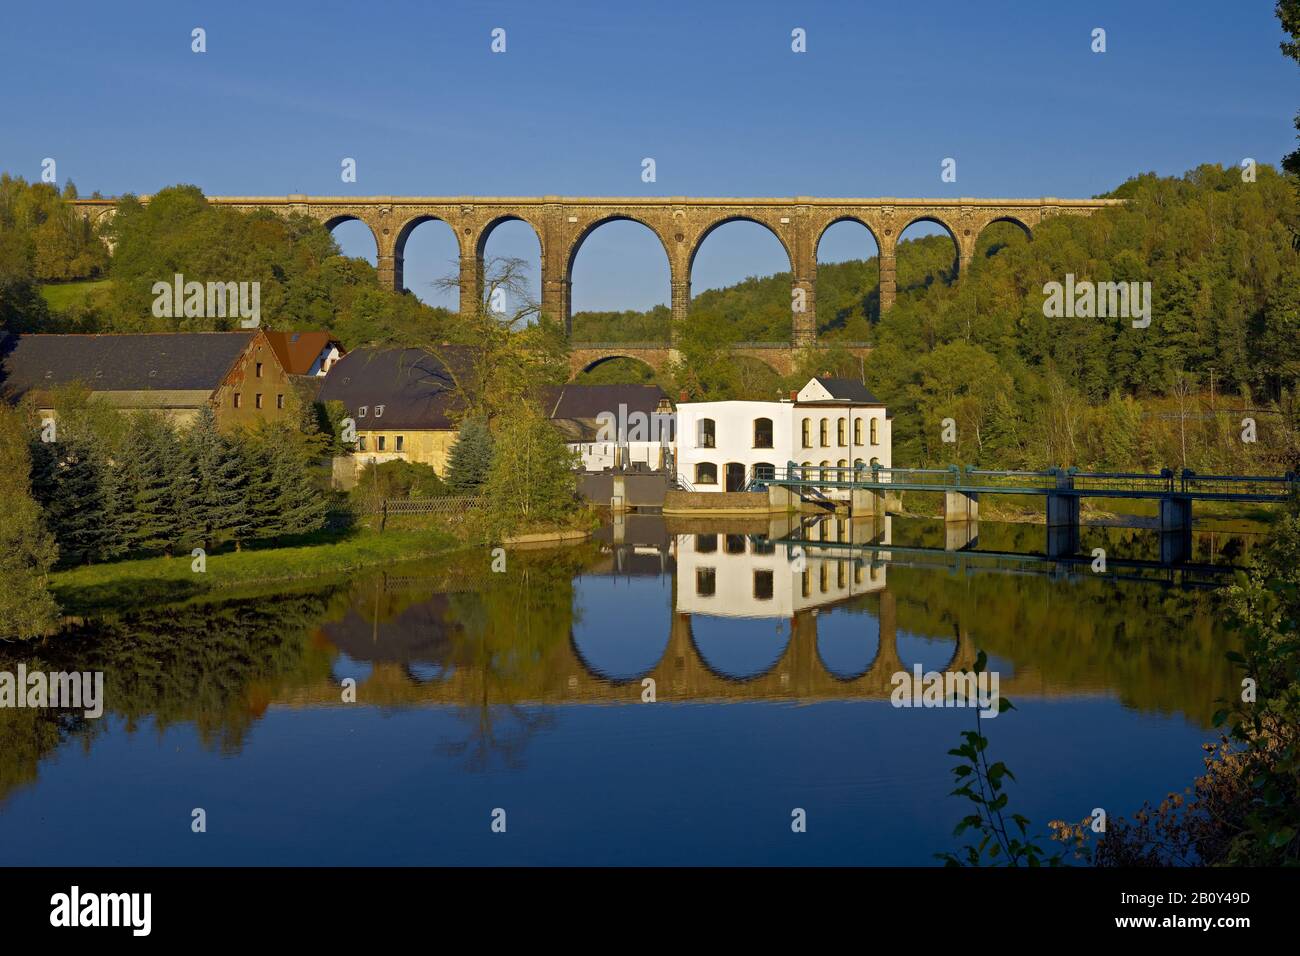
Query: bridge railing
x,y
1137,484
1122,480
1231,487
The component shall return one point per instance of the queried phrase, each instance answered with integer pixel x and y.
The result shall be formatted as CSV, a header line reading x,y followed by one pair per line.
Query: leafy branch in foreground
x,y
1002,843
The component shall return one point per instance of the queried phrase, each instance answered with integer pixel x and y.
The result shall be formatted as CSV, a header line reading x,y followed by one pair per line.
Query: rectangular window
x,y
279,401
401,442
257,400
382,442
706,582
259,369
239,400
763,585
361,443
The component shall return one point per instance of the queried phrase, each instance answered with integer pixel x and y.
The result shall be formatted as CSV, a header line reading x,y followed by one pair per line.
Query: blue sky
x,y
586,90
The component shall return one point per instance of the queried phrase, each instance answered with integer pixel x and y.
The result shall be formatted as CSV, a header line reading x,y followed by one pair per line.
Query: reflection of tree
x,y
509,634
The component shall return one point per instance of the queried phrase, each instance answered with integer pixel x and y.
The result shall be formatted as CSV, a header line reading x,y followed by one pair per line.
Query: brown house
x,y
306,354
238,374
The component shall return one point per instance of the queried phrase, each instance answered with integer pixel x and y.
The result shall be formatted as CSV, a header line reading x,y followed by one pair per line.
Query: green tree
x,y
531,482
470,458
214,506
27,549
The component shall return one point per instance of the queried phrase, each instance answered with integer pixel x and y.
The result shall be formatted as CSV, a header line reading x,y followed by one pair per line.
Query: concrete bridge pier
x,y
864,501
1062,540
960,535
1175,529
961,506
1062,525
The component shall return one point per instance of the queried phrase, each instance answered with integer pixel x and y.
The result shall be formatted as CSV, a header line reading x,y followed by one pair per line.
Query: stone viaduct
x,y
681,224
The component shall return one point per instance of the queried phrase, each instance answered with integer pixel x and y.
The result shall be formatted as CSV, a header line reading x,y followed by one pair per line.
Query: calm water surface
x,y
524,691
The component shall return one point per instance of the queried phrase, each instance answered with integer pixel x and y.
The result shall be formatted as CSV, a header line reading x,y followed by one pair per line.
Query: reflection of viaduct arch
x,y
681,224
681,674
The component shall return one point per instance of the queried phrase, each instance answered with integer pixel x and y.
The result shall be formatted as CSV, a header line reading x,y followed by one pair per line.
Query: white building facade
x,y
830,423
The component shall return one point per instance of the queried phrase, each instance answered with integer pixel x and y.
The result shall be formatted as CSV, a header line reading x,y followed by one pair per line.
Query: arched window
x,y
764,470
825,432
706,473
807,433
875,431
805,470
857,431
762,433
706,436
841,432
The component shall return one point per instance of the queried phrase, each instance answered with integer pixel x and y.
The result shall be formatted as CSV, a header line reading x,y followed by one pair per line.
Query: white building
x,y
615,426
739,575
831,422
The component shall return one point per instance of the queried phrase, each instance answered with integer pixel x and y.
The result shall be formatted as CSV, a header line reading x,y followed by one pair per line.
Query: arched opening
x,y
606,648
511,244
616,370
1005,233
740,282
735,649
355,239
620,284
430,262
927,253
848,281
735,476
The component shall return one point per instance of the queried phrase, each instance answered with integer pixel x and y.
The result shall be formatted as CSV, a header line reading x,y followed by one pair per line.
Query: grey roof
x,y
170,361
588,401
848,389
415,386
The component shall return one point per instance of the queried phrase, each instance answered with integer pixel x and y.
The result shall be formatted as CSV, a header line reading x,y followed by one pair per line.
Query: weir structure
x,y
1062,489
681,224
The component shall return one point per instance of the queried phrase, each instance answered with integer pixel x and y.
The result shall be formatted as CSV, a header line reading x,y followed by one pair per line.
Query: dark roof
x,y
849,389
414,385
171,361
588,401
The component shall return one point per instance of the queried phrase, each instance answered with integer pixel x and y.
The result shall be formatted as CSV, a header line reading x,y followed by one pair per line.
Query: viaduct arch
x,y
681,224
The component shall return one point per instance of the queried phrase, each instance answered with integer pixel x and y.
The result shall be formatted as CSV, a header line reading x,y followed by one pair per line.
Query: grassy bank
x,y
121,584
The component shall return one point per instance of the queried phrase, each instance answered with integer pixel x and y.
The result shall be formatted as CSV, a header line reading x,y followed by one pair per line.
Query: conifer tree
x,y
216,506
470,458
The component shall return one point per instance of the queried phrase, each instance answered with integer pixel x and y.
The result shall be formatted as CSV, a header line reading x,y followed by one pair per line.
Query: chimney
x,y
683,397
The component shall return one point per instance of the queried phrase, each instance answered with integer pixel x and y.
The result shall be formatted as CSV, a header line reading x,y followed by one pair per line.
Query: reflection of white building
x,y
739,575
831,422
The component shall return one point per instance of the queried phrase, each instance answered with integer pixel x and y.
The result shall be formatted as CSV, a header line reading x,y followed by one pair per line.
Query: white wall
x,y
734,437
828,575
597,456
